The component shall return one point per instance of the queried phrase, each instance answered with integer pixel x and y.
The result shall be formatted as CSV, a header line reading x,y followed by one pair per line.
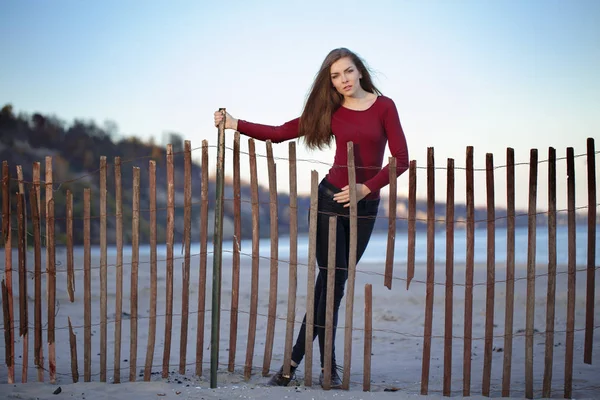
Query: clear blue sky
x,y
491,74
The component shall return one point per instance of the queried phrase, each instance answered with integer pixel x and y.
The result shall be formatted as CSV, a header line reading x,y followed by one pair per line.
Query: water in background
x,y
376,251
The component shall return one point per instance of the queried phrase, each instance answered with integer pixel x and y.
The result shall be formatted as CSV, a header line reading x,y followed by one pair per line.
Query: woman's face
x,y
345,77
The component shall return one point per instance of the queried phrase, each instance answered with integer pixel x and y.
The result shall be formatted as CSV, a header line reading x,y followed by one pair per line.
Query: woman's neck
x,y
358,100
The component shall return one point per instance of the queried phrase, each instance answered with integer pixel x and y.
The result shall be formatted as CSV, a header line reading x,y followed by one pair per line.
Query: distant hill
x,y
76,149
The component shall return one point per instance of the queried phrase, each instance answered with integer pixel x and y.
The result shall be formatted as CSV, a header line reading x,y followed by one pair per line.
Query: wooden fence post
x,y
391,241
51,292
169,280
217,257
7,337
153,272
187,238
368,337
591,253
274,234
103,270
571,273
491,276
310,282
135,258
237,243
51,270
430,271
551,296
118,270
73,347
203,256
35,202
449,278
23,300
470,262
8,301
37,311
70,264
328,351
87,288
293,277
412,221
255,261
510,271
531,242
351,266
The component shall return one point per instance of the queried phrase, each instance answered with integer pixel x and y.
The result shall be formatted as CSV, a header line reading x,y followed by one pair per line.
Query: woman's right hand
x,y
230,122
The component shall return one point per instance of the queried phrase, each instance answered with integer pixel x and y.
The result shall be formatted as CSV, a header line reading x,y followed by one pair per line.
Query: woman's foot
x,y
280,379
336,382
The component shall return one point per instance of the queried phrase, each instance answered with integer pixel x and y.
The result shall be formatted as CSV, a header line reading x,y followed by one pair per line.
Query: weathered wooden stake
x,y
328,352
368,337
187,238
10,363
153,272
135,260
351,266
591,253
73,346
169,280
551,296
531,242
203,256
103,271
389,259
470,262
430,271
412,221
87,288
571,272
310,282
491,276
217,257
118,270
510,271
237,243
274,234
70,264
255,261
35,203
37,255
51,291
293,265
449,278
23,300
7,234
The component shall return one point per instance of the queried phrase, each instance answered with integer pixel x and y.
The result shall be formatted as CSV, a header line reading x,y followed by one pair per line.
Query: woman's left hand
x,y
344,196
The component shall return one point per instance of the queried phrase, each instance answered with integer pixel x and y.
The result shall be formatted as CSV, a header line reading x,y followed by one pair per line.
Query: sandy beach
x,y
398,318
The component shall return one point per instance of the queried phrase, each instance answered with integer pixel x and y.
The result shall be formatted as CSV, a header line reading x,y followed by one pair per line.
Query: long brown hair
x,y
323,100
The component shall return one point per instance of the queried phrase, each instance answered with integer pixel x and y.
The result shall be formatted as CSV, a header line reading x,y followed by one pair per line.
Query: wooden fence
x,y
42,214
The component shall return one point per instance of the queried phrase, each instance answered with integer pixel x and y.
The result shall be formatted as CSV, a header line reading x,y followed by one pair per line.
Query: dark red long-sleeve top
x,y
368,129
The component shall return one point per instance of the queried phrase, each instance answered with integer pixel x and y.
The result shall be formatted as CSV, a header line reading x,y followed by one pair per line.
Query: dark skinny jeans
x,y
327,207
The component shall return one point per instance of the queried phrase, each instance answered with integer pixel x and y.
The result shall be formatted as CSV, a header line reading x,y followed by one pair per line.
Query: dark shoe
x,y
279,379
336,382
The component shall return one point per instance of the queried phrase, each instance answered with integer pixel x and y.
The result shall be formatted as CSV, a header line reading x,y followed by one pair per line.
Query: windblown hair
x,y
323,100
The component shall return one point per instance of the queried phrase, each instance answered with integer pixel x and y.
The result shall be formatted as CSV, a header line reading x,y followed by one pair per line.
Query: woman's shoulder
x,y
385,104
385,101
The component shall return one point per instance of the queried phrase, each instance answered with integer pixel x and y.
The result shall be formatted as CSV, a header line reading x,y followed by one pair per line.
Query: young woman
x,y
343,106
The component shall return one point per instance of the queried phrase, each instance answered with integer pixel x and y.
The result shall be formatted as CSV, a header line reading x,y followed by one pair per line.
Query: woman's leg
x,y
299,349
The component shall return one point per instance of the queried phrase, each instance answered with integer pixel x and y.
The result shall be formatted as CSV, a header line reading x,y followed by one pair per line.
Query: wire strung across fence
x,y
412,219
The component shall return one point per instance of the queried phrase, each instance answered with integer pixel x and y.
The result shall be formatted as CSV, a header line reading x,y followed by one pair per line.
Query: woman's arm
x,y
276,134
398,149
